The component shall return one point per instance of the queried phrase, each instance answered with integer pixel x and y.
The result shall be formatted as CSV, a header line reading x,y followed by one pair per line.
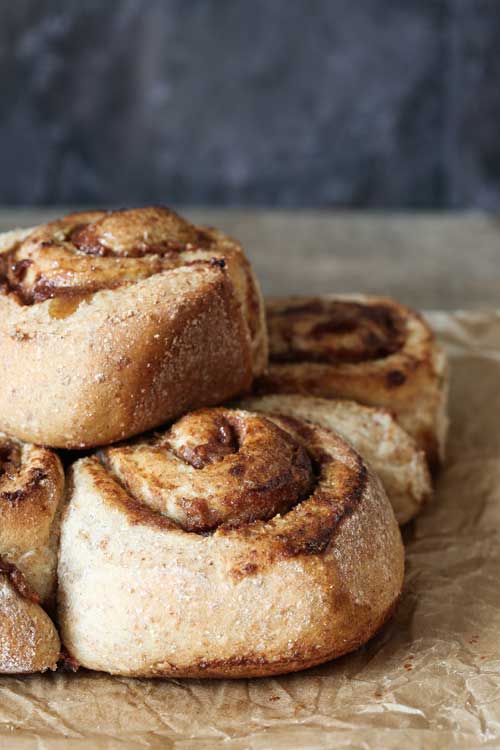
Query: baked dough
x,y
231,545
114,322
28,639
368,349
374,433
31,496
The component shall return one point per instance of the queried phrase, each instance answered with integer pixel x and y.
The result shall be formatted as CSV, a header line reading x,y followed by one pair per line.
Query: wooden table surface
x,y
443,261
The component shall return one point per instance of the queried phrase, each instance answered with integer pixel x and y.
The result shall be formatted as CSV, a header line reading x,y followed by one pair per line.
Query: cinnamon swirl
x,y
31,493
113,322
231,545
374,433
368,349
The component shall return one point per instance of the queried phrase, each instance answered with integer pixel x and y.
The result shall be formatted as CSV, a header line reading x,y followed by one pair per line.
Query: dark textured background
x,y
366,103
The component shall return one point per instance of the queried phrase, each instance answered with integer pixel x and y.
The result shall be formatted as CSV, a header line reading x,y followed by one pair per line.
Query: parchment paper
x,y
430,679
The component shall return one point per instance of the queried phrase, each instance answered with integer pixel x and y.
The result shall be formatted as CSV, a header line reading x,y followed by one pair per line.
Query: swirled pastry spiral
x,y
31,493
368,349
113,322
374,433
233,544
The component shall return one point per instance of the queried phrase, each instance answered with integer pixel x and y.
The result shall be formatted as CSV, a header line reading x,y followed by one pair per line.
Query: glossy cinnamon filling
x,y
334,332
86,252
216,467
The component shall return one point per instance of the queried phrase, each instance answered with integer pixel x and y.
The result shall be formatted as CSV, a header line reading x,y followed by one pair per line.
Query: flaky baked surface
x,y
368,349
232,545
374,433
28,639
31,496
113,322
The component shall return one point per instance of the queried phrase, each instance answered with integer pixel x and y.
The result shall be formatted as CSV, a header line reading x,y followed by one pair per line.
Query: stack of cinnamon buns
x,y
193,482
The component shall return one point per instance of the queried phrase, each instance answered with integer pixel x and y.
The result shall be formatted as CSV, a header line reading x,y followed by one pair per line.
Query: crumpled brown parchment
x,y
430,679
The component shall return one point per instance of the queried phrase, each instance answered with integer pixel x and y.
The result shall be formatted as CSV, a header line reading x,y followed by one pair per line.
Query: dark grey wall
x,y
382,103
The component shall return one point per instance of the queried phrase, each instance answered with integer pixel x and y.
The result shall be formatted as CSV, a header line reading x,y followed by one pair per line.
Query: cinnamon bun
x,y
31,494
114,322
232,545
368,349
374,433
28,639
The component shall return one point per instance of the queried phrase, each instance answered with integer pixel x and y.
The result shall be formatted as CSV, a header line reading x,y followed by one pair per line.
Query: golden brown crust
x,y
84,252
28,639
111,323
374,433
239,468
368,349
251,664
31,495
151,586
